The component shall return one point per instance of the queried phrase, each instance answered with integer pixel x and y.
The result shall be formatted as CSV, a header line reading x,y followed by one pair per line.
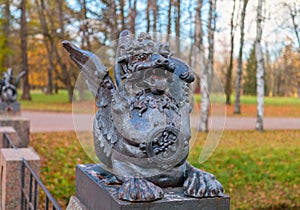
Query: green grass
x,y
41,102
251,100
59,102
258,170
55,102
272,100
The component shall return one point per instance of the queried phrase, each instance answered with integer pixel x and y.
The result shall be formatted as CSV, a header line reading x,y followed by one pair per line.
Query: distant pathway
x,y
51,121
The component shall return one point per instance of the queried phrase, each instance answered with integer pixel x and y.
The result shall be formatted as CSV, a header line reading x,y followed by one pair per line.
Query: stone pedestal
x,y
10,188
95,195
10,108
75,204
21,126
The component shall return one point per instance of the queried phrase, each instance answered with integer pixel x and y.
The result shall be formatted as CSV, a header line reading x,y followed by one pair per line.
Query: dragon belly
x,y
155,135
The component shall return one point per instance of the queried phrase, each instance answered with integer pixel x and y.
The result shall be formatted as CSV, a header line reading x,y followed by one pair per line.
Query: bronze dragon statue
x,y
142,126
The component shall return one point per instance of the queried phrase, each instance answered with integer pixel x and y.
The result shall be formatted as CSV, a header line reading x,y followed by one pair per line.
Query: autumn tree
x,y
23,22
132,15
238,83
294,12
84,28
170,16
250,83
177,18
230,67
249,86
48,41
285,72
4,36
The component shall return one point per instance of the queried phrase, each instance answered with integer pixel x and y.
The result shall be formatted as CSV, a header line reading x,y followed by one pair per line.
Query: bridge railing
x,y
7,142
30,186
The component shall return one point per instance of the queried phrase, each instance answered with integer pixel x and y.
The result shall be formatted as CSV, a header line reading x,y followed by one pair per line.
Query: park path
x,y
52,121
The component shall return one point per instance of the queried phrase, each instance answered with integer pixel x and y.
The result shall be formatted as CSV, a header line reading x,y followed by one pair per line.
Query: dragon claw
x,y
139,190
201,184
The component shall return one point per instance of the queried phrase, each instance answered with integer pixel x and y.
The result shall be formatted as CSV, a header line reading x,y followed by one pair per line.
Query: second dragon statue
x,y
142,126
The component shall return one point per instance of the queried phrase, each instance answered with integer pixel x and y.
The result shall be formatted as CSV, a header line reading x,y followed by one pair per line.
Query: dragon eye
x,y
142,57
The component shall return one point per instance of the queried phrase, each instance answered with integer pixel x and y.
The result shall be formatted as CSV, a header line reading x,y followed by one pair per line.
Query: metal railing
x,y
7,142
30,201
30,195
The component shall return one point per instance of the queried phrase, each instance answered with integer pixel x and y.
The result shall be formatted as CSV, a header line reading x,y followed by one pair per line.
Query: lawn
x,y
258,170
251,100
41,102
274,106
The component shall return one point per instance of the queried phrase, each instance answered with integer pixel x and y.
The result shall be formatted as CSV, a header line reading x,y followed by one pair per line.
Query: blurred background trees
x,y
94,23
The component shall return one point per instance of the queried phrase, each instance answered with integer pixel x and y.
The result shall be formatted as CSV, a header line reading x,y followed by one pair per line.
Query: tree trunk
x,y
122,15
229,70
49,44
237,104
155,15
115,30
177,19
259,69
85,29
148,15
192,34
268,72
132,16
169,16
177,26
205,70
26,88
211,37
293,14
6,26
199,31
66,77
111,20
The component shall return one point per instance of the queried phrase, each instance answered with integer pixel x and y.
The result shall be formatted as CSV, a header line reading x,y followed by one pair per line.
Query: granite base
x,y
10,108
95,195
21,126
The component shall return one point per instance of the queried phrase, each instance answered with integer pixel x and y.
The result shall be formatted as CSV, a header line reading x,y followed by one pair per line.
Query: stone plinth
x,y
95,195
21,126
11,160
75,204
11,133
10,108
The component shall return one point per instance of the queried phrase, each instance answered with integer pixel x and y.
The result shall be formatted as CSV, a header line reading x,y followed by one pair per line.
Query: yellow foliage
x,y
38,63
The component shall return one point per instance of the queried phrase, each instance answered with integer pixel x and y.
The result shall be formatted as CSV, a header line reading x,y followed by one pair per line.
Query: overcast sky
x,y
276,26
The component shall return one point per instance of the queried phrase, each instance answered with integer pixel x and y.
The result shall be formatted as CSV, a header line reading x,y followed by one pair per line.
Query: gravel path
x,y
50,121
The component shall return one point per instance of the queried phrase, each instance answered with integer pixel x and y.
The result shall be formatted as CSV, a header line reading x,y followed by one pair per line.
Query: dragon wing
x,y
102,86
105,135
91,66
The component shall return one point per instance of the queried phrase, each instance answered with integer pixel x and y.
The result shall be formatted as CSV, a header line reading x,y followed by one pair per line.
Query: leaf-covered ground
x,y
258,170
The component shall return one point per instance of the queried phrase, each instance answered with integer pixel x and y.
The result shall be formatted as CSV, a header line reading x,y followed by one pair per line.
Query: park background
x,y
259,170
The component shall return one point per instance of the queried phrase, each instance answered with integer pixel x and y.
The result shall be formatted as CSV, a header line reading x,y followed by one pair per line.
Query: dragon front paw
x,y
202,184
139,190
